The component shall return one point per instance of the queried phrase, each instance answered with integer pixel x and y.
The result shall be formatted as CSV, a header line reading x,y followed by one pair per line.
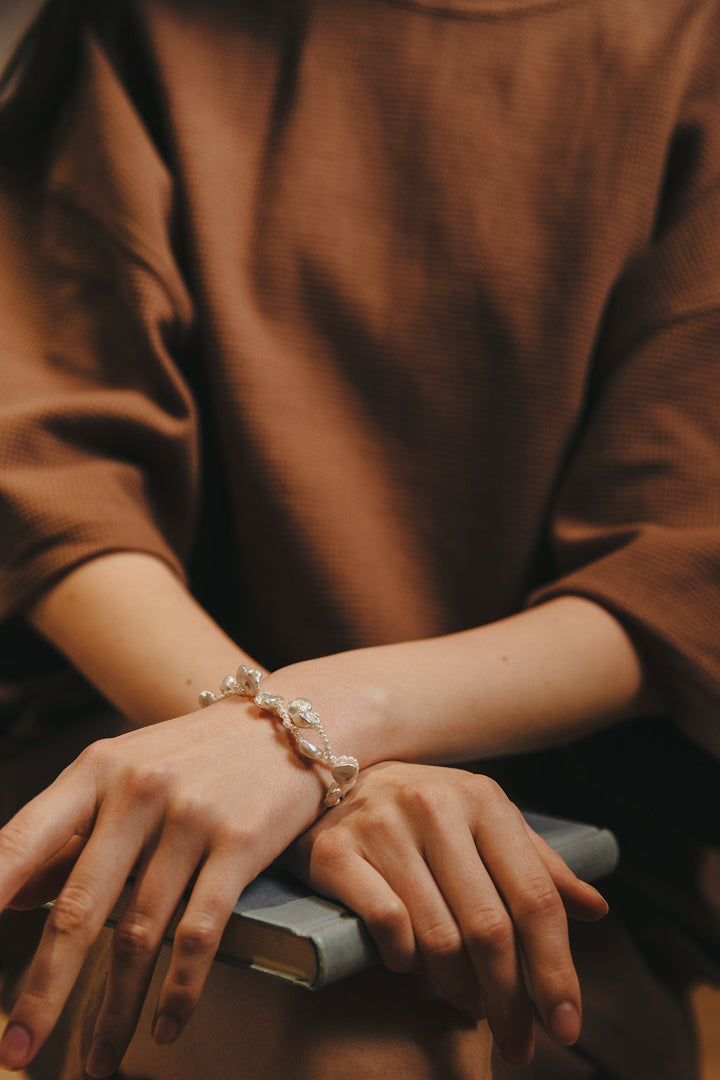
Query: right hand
x,y
210,799
445,872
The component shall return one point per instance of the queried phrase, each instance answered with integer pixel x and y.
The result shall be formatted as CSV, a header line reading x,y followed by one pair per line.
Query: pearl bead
x,y
299,706
269,702
305,720
309,749
249,680
345,770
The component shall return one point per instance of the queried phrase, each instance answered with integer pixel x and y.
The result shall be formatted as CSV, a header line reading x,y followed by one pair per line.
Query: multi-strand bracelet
x,y
300,720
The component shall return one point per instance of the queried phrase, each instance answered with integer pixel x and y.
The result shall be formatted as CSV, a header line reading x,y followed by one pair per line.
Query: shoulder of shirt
x,y
100,158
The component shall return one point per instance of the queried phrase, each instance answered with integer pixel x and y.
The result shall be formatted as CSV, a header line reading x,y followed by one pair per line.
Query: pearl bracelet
x,y
297,718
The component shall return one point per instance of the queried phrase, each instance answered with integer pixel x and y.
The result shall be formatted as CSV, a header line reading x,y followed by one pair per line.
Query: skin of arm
x,y
128,622
546,676
151,797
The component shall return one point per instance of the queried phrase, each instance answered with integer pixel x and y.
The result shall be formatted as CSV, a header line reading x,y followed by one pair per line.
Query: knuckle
x,y
537,899
488,791
134,938
441,941
96,754
197,937
72,913
35,999
143,783
389,917
421,797
492,933
14,841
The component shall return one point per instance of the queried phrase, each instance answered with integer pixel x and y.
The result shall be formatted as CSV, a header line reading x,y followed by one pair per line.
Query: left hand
x,y
199,801
443,870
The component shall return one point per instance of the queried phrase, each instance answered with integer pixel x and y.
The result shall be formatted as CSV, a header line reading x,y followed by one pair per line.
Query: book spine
x,y
343,947
593,857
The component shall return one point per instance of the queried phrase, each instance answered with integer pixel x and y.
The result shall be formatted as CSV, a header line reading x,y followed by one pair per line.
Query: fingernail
x,y
592,891
15,1046
565,1023
166,1029
102,1059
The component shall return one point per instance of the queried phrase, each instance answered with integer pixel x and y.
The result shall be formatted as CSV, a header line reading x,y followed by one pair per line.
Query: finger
x,y
534,904
73,924
346,876
137,940
197,938
581,899
489,936
47,882
44,826
437,934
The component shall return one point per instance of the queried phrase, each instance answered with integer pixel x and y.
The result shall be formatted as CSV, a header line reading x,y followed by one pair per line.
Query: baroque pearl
x,y
305,720
345,770
299,706
206,698
271,702
309,749
249,680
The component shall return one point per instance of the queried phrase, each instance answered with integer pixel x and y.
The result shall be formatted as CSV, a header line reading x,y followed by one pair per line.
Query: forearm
x,y
544,677
130,625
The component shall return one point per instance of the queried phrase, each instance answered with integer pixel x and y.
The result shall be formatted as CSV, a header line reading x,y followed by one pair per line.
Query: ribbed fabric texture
x,y
443,280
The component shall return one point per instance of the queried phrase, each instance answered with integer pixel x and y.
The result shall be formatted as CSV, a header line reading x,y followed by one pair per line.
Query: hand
x,y
443,870
211,798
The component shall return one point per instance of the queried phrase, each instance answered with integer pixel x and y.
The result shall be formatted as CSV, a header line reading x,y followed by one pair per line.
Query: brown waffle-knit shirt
x,y
385,319
400,315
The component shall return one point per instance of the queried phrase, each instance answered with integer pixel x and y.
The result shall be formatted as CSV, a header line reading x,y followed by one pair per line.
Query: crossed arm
x,y
438,861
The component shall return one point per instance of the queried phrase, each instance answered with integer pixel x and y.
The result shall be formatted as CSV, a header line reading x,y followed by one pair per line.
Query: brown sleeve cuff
x,y
662,585
28,577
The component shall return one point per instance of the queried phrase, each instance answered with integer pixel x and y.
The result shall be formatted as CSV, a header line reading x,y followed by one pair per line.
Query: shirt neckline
x,y
481,8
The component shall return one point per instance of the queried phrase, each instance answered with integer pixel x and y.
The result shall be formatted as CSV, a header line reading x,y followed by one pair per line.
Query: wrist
x,y
352,704
301,722
258,737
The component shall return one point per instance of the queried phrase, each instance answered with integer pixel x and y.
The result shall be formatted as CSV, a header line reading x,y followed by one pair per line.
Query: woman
x,y
373,345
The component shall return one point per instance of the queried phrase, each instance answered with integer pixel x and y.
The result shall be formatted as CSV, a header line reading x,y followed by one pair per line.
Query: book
x,y
282,928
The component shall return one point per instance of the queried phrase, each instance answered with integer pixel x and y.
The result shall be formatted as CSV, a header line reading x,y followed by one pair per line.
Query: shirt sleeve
x,y
97,425
635,524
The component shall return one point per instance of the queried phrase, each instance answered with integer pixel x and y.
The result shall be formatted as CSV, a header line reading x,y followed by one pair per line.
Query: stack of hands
x,y
437,861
